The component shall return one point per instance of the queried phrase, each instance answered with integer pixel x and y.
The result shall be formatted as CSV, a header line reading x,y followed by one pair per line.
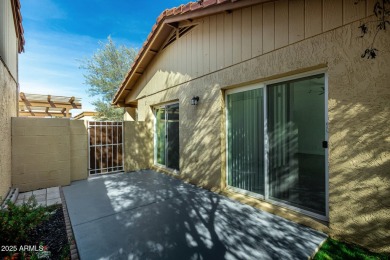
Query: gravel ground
x,y
52,234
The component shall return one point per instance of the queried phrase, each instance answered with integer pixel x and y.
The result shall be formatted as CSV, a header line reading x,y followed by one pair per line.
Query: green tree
x,y
105,71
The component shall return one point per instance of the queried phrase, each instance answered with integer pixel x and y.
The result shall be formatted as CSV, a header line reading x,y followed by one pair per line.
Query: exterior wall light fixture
x,y
194,101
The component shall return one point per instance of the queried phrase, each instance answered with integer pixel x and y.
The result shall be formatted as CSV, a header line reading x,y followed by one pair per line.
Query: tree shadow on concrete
x,y
155,216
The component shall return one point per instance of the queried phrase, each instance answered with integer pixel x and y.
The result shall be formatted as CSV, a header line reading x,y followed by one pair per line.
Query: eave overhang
x,y
18,24
165,24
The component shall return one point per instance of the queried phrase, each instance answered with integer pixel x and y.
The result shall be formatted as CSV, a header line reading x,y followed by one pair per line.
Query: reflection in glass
x,y
167,136
296,129
173,136
160,134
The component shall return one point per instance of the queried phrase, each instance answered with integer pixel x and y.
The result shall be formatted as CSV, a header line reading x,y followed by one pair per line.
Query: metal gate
x,y
105,147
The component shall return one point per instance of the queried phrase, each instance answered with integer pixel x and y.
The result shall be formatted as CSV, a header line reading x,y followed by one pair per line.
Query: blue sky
x,y
59,33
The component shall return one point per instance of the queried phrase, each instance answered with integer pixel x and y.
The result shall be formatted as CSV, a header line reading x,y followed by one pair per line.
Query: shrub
x,y
16,221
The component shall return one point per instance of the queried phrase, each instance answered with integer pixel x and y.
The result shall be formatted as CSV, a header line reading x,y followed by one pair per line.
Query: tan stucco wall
x,y
8,109
78,150
47,152
138,149
359,134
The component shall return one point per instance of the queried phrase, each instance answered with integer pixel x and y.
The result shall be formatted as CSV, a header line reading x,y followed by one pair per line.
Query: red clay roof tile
x,y
18,24
177,10
195,6
186,8
161,16
169,12
209,2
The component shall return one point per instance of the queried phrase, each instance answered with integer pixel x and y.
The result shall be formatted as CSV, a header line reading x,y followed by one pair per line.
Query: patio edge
x,y
74,253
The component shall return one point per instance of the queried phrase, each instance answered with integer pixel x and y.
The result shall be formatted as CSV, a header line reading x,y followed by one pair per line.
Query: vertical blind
x,y
282,133
295,124
246,140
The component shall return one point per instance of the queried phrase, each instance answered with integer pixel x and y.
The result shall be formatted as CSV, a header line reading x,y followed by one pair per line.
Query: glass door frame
x,y
266,197
165,105
236,189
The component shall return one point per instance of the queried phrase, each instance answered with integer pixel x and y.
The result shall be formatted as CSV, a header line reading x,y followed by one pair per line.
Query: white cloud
x,y
50,65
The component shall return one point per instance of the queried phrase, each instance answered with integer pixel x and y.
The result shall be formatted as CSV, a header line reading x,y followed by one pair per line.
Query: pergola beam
x,y
40,105
50,105
22,96
40,114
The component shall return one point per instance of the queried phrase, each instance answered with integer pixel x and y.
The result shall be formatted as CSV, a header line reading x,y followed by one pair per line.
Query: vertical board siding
x,y
173,51
313,18
333,14
257,30
228,39
199,52
8,38
352,11
370,7
246,39
189,54
268,27
183,55
237,36
169,56
296,21
194,54
206,45
221,40
213,43
281,23
194,51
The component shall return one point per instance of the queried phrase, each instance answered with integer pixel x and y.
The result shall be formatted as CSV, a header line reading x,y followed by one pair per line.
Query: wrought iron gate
x,y
105,147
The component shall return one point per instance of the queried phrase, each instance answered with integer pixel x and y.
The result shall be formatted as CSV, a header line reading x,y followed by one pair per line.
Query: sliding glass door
x,y
246,140
296,130
160,147
167,136
276,142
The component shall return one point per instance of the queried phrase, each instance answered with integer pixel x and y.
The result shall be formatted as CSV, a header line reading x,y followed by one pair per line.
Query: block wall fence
x,y
48,152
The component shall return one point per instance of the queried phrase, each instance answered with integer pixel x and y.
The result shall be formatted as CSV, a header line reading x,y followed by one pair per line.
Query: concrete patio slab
x,y
148,215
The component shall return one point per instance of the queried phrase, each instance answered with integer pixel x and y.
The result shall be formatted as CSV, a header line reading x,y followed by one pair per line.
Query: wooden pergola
x,y
35,105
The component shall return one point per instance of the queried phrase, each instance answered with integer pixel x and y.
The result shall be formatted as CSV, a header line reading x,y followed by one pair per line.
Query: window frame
x,y
155,108
266,196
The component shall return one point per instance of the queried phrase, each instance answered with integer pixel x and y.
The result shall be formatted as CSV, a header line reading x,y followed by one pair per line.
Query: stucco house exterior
x,y
11,44
289,117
